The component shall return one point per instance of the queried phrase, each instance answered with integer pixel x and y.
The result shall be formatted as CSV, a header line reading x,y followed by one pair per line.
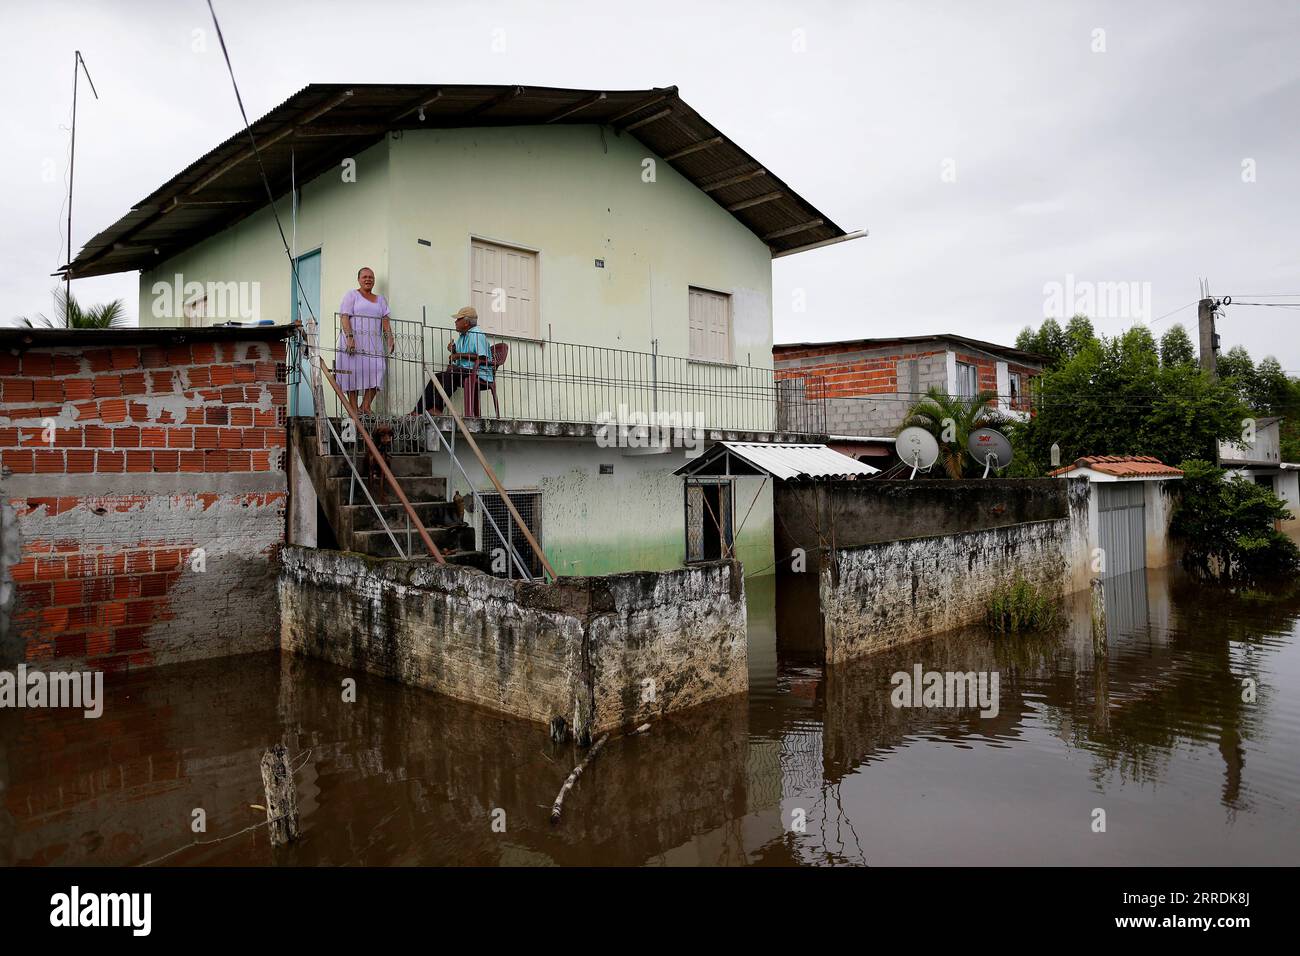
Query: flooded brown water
x,y
1155,732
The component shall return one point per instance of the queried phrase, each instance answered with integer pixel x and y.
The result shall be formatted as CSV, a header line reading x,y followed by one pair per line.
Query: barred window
x,y
709,519
529,506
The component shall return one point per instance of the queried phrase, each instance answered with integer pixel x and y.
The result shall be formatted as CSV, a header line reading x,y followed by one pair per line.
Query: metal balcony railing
x,y
563,382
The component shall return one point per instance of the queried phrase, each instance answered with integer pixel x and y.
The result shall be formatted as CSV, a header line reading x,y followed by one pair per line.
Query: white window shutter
x,y
709,324
514,271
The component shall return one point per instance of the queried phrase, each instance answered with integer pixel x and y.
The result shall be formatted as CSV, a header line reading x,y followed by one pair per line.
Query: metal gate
x,y
1122,515
706,522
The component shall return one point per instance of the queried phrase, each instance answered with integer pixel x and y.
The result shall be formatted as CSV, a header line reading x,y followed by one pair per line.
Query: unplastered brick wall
x,y
143,493
840,372
869,386
601,652
882,595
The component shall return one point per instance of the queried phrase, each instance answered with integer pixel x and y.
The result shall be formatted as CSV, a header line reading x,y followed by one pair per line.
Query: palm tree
x,y
951,419
71,315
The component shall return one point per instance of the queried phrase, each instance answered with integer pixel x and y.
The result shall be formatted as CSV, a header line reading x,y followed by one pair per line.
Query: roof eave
x,y
325,121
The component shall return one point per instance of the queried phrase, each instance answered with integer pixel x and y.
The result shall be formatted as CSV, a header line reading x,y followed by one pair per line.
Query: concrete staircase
x,y
354,522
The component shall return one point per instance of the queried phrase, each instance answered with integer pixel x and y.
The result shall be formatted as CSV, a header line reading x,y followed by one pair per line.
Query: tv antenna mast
x,y
78,67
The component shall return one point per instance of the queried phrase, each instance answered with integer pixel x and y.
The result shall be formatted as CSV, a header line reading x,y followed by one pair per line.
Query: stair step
x,y
402,466
377,543
423,488
432,514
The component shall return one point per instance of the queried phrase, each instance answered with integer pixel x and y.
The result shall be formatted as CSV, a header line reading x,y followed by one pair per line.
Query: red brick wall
x,y
155,451
837,376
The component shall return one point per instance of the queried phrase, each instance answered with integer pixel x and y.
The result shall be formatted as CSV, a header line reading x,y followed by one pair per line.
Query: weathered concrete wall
x,y
868,512
143,495
663,642
880,595
600,652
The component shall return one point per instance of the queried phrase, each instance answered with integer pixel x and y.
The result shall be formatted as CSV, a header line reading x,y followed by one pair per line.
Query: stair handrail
x,y
492,475
366,491
478,501
383,465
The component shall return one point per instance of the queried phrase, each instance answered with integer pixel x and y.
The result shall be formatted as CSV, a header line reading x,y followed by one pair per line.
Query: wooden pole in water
x,y
1097,613
281,796
558,807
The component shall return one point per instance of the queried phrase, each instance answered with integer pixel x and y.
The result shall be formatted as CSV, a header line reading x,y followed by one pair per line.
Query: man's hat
x,y
469,312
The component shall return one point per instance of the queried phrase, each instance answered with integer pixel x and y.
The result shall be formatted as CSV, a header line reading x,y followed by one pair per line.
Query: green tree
x,y
1140,345
1272,392
1115,398
1176,347
70,314
951,420
1237,368
1079,335
1050,342
1228,526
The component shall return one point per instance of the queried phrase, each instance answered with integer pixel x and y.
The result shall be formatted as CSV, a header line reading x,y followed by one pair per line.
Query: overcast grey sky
x,y
991,148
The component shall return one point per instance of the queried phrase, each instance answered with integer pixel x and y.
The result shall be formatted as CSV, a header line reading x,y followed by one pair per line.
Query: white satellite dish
x,y
990,448
916,447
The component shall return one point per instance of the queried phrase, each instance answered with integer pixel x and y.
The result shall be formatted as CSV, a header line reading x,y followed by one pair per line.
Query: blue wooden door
x,y
306,305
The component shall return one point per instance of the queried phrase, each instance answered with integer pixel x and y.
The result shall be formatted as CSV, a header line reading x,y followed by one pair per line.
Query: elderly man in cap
x,y
469,352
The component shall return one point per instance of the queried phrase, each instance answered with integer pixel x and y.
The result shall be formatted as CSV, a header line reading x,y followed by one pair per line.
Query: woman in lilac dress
x,y
365,339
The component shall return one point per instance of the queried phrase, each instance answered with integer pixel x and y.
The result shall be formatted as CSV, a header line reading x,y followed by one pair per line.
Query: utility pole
x,y
1209,338
77,64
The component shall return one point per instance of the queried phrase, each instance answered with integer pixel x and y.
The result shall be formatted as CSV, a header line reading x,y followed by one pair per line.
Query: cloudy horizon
x,y
1001,156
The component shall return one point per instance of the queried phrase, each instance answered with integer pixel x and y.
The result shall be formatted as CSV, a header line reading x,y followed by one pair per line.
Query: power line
x,y
1177,310
270,195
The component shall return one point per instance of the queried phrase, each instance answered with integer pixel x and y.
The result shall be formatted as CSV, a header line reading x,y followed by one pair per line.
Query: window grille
x,y
529,506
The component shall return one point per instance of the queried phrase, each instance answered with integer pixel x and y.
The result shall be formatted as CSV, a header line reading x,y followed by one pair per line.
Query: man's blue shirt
x,y
474,342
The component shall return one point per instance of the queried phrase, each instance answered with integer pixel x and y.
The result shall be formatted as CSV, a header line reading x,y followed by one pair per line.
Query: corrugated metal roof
x,y
783,461
311,131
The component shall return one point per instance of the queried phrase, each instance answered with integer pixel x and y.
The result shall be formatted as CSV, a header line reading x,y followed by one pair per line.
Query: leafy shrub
x,y
1227,526
1021,606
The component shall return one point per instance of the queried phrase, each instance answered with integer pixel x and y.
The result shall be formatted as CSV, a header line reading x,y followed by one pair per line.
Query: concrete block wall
x,y
882,595
868,391
142,496
601,652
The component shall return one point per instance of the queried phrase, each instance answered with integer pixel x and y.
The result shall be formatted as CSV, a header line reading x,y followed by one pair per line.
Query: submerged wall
x,y
889,562
142,494
600,652
880,595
